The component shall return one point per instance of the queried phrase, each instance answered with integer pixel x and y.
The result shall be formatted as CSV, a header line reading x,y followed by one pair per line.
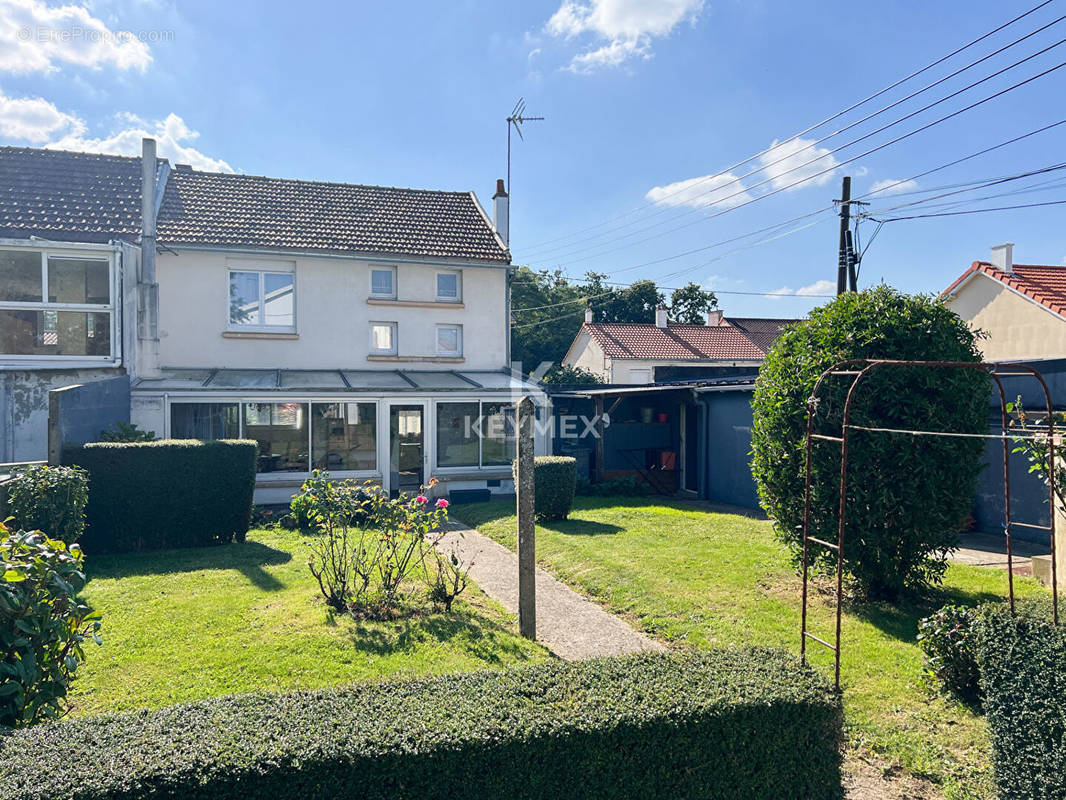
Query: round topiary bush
x,y
556,482
50,499
907,496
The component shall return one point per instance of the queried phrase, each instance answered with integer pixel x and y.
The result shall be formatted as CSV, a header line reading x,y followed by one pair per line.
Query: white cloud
x,y
786,163
723,191
887,187
35,38
172,136
622,29
816,289
35,120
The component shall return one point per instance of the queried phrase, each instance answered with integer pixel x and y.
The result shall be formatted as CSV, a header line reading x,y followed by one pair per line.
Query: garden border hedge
x,y
168,493
1022,660
718,724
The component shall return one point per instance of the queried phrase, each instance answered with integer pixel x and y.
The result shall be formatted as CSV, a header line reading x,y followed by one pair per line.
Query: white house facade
x,y
356,329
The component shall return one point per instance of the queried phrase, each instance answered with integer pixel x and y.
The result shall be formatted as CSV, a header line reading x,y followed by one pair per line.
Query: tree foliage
x,y
907,497
689,304
548,310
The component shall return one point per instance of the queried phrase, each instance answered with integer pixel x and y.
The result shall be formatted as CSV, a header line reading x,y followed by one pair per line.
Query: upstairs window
x,y
262,299
383,338
449,340
449,287
383,282
55,306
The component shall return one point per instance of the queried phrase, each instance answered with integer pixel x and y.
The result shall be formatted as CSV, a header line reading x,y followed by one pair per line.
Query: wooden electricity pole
x,y
845,221
525,489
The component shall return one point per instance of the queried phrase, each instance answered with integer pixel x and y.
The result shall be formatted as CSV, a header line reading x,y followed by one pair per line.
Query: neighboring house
x,y
643,353
68,279
1021,308
358,329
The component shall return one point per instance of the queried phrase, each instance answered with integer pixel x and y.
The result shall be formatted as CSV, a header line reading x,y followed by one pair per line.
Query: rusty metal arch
x,y
859,370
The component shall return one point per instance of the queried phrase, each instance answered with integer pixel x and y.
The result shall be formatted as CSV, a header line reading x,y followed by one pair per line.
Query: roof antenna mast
x,y
516,121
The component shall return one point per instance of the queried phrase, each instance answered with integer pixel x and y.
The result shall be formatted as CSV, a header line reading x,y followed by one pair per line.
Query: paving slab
x,y
990,550
568,624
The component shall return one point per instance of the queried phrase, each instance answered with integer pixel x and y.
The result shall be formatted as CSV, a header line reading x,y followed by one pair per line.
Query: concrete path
x,y
568,624
988,550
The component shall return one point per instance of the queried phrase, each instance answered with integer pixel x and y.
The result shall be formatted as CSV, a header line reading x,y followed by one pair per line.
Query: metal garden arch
x,y
860,369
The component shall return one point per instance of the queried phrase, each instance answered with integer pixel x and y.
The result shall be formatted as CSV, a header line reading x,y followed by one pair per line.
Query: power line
x,y
821,158
825,121
871,193
569,248
973,211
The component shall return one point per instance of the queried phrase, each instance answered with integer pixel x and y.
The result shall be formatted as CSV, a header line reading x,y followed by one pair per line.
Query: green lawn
x,y
694,577
185,624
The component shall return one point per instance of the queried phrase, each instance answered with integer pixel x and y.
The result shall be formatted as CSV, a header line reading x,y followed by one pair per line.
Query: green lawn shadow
x,y
580,527
900,620
488,641
248,558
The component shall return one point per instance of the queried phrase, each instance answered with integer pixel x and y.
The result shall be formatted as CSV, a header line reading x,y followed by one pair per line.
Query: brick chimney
x,y
588,314
660,316
714,317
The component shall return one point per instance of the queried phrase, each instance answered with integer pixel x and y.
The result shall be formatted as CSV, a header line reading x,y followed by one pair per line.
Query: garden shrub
x,y
43,624
1023,677
556,482
374,548
50,499
907,499
719,724
946,639
169,493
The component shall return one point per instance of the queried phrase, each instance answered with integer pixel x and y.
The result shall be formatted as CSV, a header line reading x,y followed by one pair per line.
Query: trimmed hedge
x,y
719,724
556,482
170,493
1023,676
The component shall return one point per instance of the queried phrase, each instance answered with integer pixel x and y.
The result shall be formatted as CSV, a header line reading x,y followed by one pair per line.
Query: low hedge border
x,y
164,494
719,724
555,482
1022,660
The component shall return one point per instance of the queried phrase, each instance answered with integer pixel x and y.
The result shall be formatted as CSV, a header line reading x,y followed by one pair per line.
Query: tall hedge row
x,y
163,494
725,724
1022,661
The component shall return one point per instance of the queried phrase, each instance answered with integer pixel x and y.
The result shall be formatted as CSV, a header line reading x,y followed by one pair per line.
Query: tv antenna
x,y
516,121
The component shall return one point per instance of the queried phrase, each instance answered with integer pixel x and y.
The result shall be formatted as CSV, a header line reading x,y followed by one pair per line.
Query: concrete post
x,y
525,488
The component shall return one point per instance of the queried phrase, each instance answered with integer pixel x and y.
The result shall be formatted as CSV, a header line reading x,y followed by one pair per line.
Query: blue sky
x,y
639,98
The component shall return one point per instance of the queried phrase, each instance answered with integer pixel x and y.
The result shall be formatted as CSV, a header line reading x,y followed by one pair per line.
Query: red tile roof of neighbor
x,y
1042,283
741,339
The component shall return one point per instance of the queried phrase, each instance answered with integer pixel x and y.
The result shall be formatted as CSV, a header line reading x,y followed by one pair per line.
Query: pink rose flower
x,y
421,499
442,503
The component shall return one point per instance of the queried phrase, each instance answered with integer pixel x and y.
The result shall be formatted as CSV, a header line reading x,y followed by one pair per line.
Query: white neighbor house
x,y
358,329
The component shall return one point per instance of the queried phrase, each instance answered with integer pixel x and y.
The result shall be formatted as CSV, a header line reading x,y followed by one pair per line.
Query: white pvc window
x,y
383,282
449,340
449,287
383,338
262,299
56,306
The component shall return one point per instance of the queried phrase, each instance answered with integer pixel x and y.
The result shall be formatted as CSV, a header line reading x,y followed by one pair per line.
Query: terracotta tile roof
x,y
211,208
86,197
1044,284
78,197
730,342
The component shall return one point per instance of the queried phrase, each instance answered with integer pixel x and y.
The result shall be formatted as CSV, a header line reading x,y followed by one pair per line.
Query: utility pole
x,y
845,235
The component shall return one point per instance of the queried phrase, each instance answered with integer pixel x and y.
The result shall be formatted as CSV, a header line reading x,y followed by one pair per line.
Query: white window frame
x,y
262,271
458,286
480,466
458,353
382,268
395,338
310,402
114,357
